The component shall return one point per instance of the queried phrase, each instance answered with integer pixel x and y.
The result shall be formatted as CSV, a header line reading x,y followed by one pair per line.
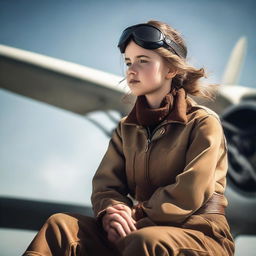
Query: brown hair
x,y
187,76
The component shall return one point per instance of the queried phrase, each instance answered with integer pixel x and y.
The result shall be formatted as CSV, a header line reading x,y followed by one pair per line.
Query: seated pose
x,y
159,189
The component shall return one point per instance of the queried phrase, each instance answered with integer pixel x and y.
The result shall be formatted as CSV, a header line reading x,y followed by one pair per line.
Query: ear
x,y
171,74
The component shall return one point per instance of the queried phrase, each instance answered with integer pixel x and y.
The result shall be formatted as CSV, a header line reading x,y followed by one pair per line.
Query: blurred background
x,y
49,153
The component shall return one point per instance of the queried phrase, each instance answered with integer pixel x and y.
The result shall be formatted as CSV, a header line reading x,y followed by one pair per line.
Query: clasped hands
x,y
118,222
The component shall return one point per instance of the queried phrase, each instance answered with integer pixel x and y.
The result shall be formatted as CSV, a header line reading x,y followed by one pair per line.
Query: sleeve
x,y
196,183
109,185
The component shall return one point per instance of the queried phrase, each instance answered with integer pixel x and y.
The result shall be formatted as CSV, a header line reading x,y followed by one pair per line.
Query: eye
x,y
143,61
128,64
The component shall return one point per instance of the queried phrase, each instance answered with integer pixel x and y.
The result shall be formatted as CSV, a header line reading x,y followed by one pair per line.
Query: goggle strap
x,y
175,47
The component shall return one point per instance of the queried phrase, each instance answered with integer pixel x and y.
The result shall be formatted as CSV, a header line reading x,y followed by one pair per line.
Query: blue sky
x,y
86,32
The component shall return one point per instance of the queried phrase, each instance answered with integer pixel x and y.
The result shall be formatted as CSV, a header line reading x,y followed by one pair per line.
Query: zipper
x,y
147,155
148,144
147,149
149,140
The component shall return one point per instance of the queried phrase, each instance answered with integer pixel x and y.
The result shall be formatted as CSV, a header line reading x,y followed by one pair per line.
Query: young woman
x,y
159,189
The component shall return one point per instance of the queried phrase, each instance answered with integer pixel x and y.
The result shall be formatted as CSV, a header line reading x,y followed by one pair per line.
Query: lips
x,y
133,81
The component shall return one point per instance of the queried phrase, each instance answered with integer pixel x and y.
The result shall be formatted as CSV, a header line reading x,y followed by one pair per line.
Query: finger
x,y
123,207
112,210
120,206
129,220
118,227
106,221
109,217
117,217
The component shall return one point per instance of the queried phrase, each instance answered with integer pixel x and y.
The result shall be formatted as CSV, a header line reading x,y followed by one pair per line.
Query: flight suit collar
x,y
179,108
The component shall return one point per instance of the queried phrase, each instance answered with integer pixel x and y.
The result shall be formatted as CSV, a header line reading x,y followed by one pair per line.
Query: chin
x,y
137,93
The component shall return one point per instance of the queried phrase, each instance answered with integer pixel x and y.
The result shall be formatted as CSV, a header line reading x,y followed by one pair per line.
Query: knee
x,y
56,217
144,241
59,219
144,235
67,221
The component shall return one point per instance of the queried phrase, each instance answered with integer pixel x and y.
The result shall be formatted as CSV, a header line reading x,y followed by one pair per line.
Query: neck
x,y
154,100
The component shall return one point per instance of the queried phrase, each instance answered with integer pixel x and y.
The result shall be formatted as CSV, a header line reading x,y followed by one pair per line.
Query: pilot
x,y
159,189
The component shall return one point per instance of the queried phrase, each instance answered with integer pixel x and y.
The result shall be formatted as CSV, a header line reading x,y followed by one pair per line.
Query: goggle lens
x,y
149,34
149,37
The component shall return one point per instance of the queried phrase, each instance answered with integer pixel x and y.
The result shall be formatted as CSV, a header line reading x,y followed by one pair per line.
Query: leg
x,y
70,234
169,241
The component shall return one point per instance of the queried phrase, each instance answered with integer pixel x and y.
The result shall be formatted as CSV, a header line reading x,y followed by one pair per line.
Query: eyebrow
x,y
139,56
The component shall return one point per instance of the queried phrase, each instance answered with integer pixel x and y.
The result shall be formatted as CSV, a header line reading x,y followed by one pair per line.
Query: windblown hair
x,y
187,76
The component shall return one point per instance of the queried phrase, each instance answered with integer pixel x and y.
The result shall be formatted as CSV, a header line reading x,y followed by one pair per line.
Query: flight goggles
x,y
149,37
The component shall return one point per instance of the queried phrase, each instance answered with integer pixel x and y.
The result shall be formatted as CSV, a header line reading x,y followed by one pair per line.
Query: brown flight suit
x,y
178,177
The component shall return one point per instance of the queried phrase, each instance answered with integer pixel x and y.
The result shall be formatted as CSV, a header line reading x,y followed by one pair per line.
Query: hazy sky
x,y
86,32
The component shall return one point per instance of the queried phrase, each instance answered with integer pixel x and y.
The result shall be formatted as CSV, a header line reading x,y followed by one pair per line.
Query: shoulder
x,y
199,112
204,120
122,126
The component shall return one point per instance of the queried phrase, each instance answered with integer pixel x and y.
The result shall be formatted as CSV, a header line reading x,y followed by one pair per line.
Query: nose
x,y
132,70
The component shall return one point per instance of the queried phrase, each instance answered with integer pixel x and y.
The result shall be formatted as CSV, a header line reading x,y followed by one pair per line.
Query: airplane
x,y
85,92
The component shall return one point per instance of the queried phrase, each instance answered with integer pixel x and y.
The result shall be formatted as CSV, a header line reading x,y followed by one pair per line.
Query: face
x,y
146,71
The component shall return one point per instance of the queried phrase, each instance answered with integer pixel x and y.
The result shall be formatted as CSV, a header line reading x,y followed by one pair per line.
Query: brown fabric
x,y
70,235
213,205
173,107
173,174
74,234
147,116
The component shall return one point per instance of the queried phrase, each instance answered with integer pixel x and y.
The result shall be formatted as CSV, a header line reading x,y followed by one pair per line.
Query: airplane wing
x,y
60,83
230,92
